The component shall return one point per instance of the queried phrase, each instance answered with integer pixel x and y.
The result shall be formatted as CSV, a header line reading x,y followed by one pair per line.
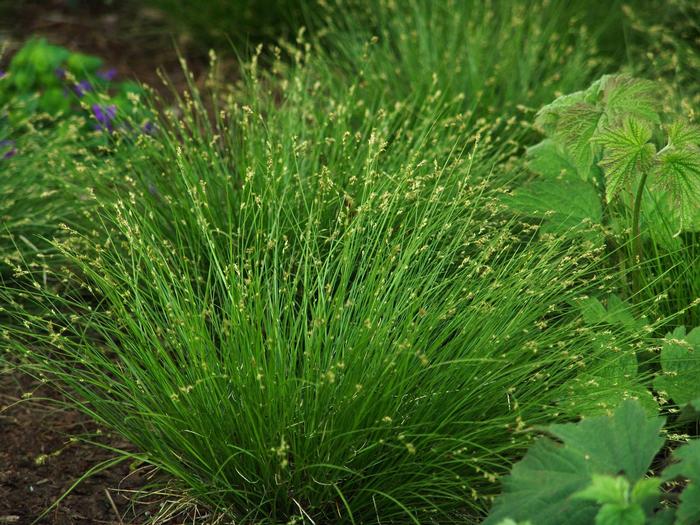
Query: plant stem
x,y
636,237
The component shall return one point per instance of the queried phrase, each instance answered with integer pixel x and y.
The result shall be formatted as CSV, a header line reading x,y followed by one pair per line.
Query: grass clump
x,y
308,307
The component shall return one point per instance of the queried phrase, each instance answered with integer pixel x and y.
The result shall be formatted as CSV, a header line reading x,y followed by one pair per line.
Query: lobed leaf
x,y
680,365
543,484
627,153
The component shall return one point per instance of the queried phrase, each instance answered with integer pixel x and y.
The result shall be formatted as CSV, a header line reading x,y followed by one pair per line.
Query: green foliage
x,y
596,473
552,479
46,79
608,164
680,366
301,295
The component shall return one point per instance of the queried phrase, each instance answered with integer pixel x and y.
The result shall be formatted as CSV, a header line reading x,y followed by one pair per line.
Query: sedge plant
x,y
308,307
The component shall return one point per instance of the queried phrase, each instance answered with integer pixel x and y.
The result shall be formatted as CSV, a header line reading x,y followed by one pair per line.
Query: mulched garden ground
x,y
38,459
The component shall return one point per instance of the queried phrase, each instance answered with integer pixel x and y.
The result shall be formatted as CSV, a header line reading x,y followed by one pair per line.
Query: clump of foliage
x,y
313,308
596,471
607,163
45,79
56,137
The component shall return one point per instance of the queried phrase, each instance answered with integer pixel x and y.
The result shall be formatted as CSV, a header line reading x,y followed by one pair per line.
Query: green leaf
x,y
577,127
542,485
678,172
606,489
79,63
627,153
663,517
550,160
688,467
680,366
682,134
616,312
617,514
567,204
548,116
624,96
624,444
646,489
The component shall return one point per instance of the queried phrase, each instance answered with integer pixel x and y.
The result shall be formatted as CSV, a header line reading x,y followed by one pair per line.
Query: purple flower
x,y
82,87
60,72
104,115
148,128
107,74
2,73
9,146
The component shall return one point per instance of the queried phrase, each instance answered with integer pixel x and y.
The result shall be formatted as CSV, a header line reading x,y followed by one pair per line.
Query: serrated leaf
x,y
680,366
688,455
568,205
548,116
617,514
550,160
606,489
624,444
678,172
616,312
576,128
646,489
627,153
542,485
627,96
682,134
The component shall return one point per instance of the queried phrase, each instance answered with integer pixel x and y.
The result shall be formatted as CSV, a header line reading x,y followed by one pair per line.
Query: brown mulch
x,y
40,459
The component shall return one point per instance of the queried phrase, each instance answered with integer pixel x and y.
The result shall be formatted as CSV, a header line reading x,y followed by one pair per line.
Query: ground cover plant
x,y
597,474
346,287
362,320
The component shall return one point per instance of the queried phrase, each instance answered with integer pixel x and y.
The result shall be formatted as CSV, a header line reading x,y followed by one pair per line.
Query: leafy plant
x,y
309,308
47,79
680,367
595,471
600,159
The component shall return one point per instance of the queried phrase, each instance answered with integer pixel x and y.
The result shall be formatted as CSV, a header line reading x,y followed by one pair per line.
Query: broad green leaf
x,y
625,96
550,160
548,116
646,490
682,134
617,514
604,389
576,129
627,153
688,455
624,444
541,487
678,172
567,204
680,366
663,517
616,312
606,489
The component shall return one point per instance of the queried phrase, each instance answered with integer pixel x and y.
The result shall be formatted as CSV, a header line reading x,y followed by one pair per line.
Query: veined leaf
x,y
627,153
567,203
625,96
576,128
606,489
678,172
550,160
680,365
688,512
543,484
682,134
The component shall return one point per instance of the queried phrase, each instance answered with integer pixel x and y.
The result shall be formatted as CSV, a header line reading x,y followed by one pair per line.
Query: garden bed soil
x,y
38,459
